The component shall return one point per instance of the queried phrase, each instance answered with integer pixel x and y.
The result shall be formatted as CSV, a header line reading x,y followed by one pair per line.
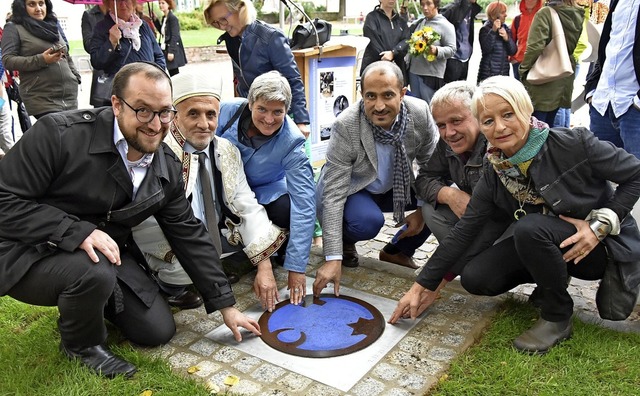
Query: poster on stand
x,y
331,91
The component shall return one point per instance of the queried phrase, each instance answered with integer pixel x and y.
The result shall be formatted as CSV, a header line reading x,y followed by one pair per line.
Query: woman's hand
x,y
297,285
52,57
497,24
502,32
304,128
114,35
170,57
583,241
386,55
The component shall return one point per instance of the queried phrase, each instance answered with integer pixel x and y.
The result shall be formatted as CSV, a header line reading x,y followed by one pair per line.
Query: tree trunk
x,y
342,11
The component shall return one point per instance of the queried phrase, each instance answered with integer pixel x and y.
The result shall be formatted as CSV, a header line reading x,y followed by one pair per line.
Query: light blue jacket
x,y
279,167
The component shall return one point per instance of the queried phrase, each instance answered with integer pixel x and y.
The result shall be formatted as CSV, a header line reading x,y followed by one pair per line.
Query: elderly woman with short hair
x,y
122,39
277,169
568,218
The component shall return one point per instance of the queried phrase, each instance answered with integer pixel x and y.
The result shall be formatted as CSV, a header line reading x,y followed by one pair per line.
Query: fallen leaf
x,y
231,380
193,369
147,393
212,388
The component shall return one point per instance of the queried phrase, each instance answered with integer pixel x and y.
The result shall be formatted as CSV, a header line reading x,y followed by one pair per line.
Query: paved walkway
x,y
412,367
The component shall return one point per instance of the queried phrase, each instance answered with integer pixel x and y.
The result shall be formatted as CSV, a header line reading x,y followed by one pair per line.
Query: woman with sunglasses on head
x,y
256,48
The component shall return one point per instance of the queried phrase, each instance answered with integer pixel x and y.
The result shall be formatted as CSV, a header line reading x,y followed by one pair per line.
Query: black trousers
x,y
81,289
456,70
532,255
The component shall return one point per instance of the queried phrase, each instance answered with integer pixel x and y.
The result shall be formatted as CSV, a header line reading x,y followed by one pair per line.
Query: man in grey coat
x,y
369,171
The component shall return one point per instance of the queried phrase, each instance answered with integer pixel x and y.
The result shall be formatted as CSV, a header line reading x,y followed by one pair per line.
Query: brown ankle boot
x,y
543,336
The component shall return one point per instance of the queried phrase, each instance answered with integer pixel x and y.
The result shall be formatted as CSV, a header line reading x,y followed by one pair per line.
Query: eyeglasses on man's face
x,y
222,22
145,115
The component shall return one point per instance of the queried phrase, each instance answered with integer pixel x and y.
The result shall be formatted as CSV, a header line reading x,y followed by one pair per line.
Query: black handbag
x,y
100,89
614,300
304,36
101,84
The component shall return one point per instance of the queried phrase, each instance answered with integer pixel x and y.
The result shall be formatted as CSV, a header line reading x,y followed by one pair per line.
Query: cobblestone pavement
x,y
412,367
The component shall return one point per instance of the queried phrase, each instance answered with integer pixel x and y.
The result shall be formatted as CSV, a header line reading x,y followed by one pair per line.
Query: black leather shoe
x,y
100,359
349,255
233,278
543,336
185,300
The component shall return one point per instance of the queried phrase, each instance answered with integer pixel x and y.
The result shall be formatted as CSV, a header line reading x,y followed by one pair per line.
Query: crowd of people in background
x,y
512,194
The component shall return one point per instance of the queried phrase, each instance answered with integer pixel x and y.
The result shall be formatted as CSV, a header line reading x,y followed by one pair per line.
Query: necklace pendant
x,y
519,213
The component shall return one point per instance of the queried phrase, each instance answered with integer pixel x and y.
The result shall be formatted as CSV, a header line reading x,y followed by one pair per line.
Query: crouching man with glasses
x,y
71,190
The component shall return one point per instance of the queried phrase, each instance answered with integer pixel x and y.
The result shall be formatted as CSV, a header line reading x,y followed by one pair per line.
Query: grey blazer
x,y
352,162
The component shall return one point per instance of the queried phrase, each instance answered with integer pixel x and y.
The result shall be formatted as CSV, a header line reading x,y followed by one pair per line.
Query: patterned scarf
x,y
130,29
401,175
513,171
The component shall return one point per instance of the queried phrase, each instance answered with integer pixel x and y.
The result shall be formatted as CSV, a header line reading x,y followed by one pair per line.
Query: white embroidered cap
x,y
188,85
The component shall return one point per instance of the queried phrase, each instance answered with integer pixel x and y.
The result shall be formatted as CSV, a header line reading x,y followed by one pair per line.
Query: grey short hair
x,y
270,86
509,89
453,93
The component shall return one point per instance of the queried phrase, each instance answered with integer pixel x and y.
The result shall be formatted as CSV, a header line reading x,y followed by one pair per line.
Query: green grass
x,y
595,361
30,363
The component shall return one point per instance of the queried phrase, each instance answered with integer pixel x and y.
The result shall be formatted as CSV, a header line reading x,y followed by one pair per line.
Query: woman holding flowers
x,y
432,42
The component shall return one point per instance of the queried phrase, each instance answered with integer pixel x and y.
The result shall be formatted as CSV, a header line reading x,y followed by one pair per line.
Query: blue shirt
x,y
618,85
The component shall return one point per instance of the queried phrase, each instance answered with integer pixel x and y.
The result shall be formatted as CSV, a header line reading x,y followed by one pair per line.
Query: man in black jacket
x,y
71,189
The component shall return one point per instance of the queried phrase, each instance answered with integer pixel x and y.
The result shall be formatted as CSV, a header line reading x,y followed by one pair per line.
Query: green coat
x,y
555,94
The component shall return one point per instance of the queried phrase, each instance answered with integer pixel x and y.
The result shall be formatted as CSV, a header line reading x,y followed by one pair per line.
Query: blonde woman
x,y
264,48
557,186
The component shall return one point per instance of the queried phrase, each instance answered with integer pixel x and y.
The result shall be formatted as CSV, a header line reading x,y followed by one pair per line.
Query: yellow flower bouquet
x,y
420,42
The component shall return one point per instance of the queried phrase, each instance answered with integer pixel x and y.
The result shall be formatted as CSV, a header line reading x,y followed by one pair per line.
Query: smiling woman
x,y
277,169
264,48
28,45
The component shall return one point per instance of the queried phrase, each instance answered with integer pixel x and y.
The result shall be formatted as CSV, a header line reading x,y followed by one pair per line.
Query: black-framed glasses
x,y
145,115
222,22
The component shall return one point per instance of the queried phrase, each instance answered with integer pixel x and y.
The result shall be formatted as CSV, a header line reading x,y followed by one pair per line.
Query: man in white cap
x,y
219,194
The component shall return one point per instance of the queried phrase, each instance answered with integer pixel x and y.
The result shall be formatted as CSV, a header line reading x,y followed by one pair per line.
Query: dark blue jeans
x,y
621,131
363,219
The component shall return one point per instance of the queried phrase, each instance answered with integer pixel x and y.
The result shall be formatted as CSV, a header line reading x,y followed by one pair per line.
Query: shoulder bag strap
x,y
233,119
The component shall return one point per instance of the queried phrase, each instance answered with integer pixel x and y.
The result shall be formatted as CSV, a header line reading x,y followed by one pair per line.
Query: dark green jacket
x,y
555,94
